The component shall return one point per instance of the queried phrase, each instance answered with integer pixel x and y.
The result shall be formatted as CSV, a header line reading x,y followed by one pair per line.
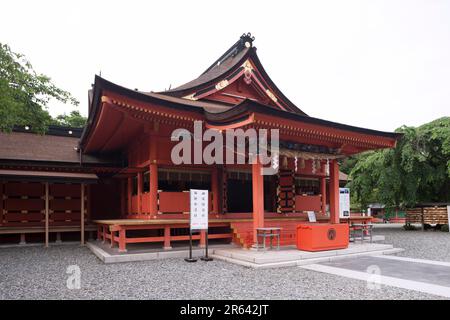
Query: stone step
x,y
300,262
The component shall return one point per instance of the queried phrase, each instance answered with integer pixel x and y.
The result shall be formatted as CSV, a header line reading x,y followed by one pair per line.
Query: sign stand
x,y
198,219
190,259
206,257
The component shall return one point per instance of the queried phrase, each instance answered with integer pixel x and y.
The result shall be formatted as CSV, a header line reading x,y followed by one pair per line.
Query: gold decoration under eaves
x,y
247,66
190,97
222,84
271,95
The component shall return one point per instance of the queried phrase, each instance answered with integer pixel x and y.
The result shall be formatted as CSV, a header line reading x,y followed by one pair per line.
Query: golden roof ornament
x,y
222,84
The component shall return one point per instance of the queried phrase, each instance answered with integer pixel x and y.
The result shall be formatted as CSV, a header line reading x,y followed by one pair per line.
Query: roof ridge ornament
x,y
246,40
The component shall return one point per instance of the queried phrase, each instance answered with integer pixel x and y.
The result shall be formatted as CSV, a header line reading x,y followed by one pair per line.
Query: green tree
x,y
24,94
73,119
417,170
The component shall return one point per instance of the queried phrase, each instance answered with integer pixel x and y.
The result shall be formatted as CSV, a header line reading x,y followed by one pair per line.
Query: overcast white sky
x,y
375,64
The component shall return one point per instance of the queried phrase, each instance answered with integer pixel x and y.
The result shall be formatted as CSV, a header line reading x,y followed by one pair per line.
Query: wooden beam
x,y
82,214
47,207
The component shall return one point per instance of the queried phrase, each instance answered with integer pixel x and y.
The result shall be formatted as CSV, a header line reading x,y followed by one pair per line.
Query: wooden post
x,y
139,192
123,198
130,193
215,189
167,245
47,207
104,233
154,190
122,243
202,239
82,214
323,191
334,192
258,197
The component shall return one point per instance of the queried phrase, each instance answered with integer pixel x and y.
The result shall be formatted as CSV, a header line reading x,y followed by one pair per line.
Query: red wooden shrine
x,y
133,191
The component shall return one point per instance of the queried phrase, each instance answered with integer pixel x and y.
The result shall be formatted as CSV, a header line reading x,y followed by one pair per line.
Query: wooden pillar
x,y
154,190
258,197
202,243
139,192
123,198
215,190
323,192
46,214
88,202
104,233
167,245
334,191
122,241
82,214
58,237
222,196
129,194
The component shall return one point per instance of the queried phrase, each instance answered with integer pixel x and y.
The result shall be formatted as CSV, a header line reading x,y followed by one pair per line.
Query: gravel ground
x,y
35,273
432,245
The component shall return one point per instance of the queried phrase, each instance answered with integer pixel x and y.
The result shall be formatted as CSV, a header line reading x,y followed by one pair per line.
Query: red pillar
x,y
140,179
167,245
258,197
202,239
215,190
122,243
153,189
334,191
323,192
129,194
123,198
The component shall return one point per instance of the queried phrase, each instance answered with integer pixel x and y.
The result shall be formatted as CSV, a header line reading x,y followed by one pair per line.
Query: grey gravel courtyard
x,y
38,273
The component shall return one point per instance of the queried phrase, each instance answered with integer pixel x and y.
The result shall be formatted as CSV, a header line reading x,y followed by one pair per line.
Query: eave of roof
x,y
101,85
213,112
49,149
252,106
48,176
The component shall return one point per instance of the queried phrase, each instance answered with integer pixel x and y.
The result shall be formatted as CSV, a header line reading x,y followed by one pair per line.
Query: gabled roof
x,y
118,114
239,61
30,147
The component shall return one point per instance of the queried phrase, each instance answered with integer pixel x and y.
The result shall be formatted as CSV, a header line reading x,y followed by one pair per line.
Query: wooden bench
x,y
58,229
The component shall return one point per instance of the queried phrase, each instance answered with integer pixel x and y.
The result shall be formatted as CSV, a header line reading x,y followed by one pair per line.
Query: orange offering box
x,y
322,236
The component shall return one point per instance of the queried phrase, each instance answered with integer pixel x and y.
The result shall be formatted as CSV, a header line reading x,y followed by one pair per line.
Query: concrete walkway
x,y
290,256
426,276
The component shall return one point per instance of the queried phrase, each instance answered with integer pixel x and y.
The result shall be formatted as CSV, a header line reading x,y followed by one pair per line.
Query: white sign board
x,y
344,202
199,209
312,216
